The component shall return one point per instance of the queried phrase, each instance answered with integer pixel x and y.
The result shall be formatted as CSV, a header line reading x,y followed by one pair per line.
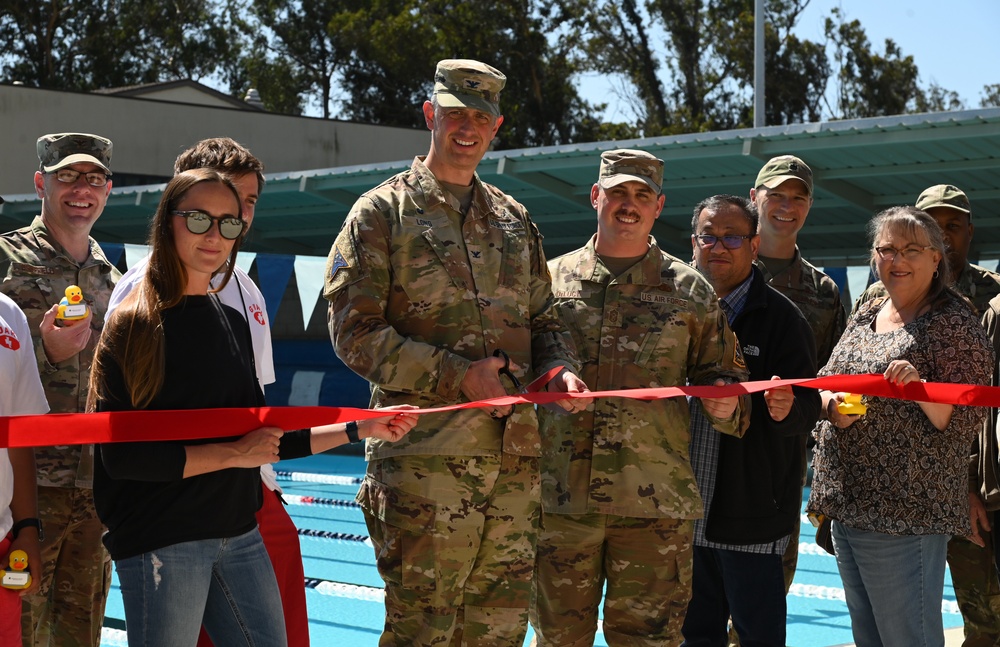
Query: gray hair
x,y
909,222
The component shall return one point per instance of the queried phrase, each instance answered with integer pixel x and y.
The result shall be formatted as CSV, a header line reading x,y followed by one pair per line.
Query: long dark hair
x,y
133,334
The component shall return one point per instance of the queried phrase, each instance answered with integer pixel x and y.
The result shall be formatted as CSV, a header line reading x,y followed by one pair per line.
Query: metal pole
x,y
758,64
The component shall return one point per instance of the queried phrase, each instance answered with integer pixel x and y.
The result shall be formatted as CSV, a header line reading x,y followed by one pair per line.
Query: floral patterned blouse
x,y
892,471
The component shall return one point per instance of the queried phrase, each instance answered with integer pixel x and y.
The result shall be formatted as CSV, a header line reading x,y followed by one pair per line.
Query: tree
x,y
295,37
702,78
394,45
91,45
991,96
938,99
870,84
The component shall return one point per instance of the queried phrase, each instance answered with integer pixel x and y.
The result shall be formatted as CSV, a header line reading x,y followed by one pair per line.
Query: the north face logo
x,y
751,350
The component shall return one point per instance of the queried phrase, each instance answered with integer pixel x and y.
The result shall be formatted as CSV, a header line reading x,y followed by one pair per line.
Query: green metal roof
x,y
860,167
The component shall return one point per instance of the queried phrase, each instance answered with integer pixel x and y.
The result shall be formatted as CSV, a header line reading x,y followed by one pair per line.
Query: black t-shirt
x,y
139,489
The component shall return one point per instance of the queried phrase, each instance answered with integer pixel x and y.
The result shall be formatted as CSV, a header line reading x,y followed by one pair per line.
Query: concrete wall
x,y
148,134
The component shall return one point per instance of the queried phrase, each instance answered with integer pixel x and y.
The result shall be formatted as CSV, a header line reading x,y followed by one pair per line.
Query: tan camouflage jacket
x,y
977,284
984,470
418,292
817,296
36,271
657,325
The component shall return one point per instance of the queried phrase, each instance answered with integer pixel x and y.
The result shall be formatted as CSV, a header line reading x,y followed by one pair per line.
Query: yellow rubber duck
x,y
852,405
72,307
17,577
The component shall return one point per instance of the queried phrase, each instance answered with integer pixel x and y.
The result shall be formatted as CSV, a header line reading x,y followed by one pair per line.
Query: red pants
x,y
282,543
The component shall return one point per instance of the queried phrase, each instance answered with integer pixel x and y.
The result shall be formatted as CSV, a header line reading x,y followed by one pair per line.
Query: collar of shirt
x,y
734,302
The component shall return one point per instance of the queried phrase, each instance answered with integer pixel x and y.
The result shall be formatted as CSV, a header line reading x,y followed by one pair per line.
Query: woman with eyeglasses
x,y
180,514
895,479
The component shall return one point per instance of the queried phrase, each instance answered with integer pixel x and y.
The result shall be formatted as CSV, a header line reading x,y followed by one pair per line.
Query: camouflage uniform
x,y
36,270
818,297
417,293
973,570
618,491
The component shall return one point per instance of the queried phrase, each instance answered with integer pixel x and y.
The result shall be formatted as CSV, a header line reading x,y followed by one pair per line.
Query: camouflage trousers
x,y
454,540
645,563
974,575
68,609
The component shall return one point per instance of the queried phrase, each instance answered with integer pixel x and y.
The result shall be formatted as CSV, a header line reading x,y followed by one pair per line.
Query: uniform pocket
x,y
402,533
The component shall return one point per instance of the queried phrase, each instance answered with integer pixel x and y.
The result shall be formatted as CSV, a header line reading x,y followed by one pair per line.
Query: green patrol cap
x,y
624,165
62,149
782,168
464,83
944,195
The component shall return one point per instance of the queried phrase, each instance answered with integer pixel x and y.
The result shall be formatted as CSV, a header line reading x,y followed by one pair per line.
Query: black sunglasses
x,y
199,222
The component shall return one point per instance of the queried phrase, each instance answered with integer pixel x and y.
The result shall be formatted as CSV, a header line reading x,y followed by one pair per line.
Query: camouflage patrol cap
x,y
62,149
944,195
782,168
624,165
464,83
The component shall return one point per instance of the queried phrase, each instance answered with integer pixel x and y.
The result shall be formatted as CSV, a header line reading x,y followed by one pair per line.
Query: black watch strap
x,y
352,432
24,523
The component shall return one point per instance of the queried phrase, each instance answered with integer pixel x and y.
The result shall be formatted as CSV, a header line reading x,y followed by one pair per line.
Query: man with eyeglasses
x,y
783,195
972,561
37,264
618,493
750,486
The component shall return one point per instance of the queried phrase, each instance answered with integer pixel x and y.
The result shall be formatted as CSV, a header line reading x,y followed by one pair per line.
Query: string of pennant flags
x,y
274,271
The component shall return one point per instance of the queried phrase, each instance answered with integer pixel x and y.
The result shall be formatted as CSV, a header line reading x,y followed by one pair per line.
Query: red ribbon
x,y
187,424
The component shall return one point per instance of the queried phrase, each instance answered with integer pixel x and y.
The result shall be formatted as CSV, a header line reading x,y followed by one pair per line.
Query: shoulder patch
x,y
738,360
338,263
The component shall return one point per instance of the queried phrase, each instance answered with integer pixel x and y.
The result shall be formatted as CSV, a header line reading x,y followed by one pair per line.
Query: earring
x,y
936,273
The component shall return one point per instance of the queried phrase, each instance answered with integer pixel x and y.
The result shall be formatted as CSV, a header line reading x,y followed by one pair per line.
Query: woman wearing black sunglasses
x,y
180,514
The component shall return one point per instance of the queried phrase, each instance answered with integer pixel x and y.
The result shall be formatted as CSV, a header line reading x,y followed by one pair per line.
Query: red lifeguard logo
x,y
8,339
258,314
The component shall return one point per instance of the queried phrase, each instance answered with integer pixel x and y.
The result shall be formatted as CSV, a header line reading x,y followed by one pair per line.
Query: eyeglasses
x,y
910,252
729,242
70,176
199,222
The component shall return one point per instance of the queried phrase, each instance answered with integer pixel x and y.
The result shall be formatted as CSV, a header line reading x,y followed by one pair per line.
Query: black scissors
x,y
506,372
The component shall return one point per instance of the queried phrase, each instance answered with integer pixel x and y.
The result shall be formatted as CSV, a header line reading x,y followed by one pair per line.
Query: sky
x,y
955,43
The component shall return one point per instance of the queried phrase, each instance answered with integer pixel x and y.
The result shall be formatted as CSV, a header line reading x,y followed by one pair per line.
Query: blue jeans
x,y
894,586
227,583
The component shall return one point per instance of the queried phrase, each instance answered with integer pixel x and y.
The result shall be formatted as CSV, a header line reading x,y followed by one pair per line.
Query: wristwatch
x,y
24,523
352,432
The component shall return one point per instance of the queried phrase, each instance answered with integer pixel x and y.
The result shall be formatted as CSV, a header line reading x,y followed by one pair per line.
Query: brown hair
x,y
133,334
222,154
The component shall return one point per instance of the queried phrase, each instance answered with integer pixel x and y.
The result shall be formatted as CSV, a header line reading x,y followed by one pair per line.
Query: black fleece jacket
x,y
758,487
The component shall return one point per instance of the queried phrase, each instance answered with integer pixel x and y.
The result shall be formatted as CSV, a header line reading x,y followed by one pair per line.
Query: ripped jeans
x,y
227,583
